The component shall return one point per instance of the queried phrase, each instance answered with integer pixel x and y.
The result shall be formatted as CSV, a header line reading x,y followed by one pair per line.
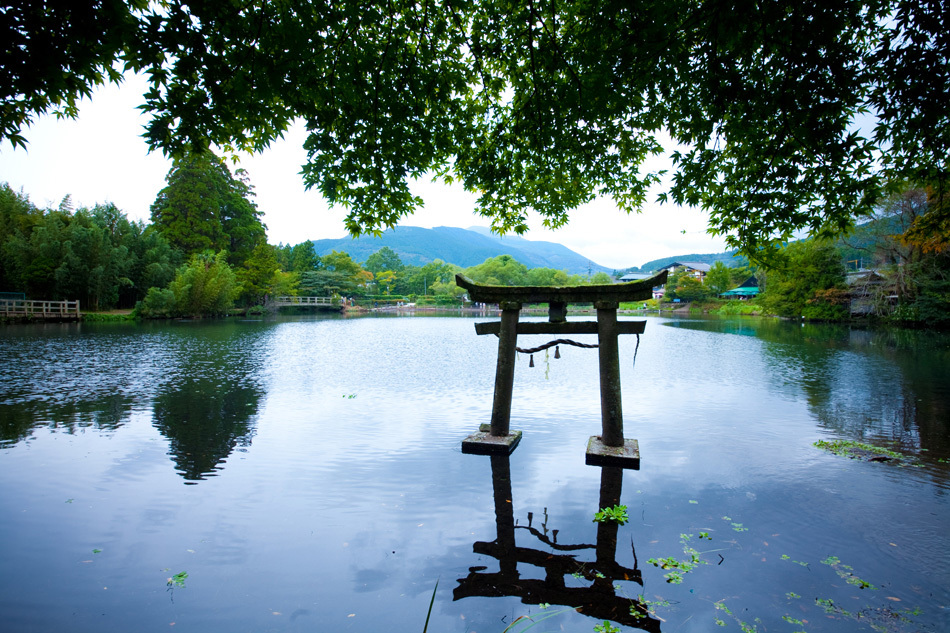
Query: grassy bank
x,y
110,316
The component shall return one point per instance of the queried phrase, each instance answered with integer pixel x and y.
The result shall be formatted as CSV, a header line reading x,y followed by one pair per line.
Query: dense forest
x,y
95,255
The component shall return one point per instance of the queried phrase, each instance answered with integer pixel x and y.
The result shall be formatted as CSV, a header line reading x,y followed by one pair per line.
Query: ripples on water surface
x,y
306,474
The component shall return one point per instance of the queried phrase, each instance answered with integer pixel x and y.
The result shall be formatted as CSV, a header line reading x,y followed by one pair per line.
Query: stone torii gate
x,y
608,449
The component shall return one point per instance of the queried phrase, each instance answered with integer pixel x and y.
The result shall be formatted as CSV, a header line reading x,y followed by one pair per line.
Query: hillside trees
x,y
548,277
17,213
336,274
533,105
882,241
17,216
185,212
205,286
205,210
298,258
33,257
740,274
908,246
931,229
384,280
688,288
155,263
386,267
259,275
421,280
931,305
929,236
94,263
672,281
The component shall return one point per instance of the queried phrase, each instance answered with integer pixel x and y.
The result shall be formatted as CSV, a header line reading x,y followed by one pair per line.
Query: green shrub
x,y
206,286
737,307
159,303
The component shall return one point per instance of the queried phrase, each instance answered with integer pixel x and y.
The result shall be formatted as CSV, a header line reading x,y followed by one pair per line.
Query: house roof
x,y
747,291
863,276
693,265
636,276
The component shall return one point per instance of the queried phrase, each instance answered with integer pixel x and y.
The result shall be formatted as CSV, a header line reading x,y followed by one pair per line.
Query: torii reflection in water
x,y
599,600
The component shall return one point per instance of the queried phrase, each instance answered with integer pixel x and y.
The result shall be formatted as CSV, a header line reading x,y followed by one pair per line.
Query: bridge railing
x,y
303,301
39,309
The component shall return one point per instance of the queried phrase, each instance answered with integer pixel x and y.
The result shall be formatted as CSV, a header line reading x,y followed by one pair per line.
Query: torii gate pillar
x,y
611,409
505,370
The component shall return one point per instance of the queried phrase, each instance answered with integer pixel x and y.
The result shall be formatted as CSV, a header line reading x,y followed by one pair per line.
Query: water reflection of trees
x,y
922,359
204,422
18,421
599,599
888,383
52,377
202,380
208,406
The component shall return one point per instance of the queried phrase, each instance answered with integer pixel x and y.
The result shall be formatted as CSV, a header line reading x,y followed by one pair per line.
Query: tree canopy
x,y
779,116
807,283
718,279
204,208
382,260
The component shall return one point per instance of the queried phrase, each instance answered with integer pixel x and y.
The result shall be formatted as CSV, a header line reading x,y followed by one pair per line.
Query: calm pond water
x,y
306,475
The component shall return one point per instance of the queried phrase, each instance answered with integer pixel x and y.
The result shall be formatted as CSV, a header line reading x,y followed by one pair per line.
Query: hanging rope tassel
x,y
561,341
557,349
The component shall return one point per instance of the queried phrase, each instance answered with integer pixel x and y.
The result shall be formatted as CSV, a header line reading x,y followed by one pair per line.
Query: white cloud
x,y
101,157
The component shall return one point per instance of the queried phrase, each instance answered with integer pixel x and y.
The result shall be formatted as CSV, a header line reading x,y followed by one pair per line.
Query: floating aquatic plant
x,y
616,514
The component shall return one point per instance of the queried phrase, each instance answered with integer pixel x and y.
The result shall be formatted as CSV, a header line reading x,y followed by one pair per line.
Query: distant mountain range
x,y
469,247
462,247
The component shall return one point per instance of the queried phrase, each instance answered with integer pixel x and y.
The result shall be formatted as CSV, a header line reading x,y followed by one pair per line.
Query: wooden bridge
x,y
288,301
33,309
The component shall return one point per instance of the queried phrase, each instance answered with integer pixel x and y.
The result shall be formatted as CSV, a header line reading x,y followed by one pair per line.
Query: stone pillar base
x,y
626,456
482,442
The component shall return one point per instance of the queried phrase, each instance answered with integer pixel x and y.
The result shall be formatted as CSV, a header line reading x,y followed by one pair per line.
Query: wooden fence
x,y
32,309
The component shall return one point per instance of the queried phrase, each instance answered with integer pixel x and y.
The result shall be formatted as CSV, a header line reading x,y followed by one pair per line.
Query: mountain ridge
x,y
729,258
418,246
463,247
